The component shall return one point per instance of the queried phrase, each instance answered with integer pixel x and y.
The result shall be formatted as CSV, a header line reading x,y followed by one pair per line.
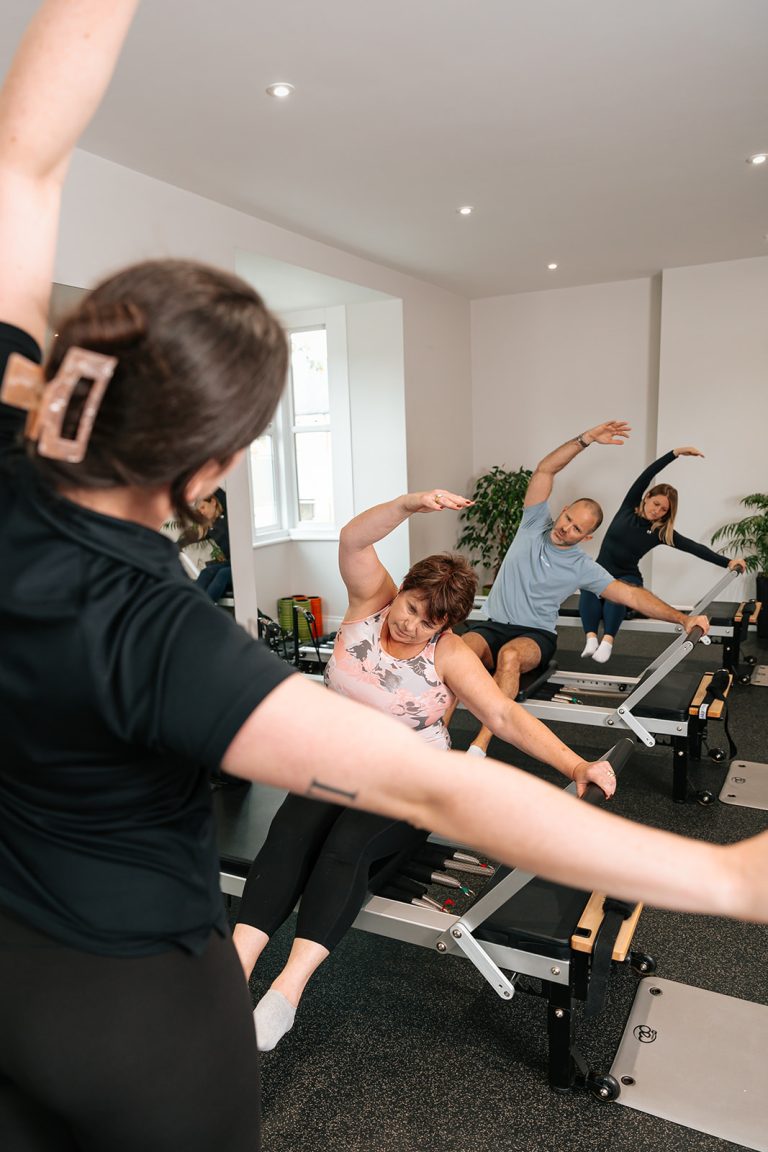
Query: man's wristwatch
x,y
580,440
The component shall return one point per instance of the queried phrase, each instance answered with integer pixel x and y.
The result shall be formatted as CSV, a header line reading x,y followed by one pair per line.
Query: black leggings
x,y
325,854
108,1054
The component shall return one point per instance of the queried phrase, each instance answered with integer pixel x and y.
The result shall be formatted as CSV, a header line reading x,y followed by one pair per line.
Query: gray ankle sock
x,y
273,1017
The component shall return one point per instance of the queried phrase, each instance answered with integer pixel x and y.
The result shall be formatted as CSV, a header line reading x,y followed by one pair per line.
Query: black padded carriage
x,y
543,931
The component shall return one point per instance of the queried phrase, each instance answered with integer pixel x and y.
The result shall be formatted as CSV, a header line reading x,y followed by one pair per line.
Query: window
x,y
311,426
298,466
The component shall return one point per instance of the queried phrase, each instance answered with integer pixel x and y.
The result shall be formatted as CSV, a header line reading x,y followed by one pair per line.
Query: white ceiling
x,y
608,135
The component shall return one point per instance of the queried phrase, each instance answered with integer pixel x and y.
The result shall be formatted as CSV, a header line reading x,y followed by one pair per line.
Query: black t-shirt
x,y
121,685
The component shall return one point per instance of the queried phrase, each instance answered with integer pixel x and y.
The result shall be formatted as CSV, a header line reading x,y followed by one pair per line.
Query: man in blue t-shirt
x,y
543,567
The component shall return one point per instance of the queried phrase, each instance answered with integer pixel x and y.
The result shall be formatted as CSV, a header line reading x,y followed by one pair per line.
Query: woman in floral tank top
x,y
395,652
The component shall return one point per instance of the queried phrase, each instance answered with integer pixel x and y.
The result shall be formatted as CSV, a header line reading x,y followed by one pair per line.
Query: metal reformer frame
x,y
562,980
633,690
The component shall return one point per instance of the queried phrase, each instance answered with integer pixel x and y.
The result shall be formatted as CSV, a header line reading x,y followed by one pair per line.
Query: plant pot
x,y
761,582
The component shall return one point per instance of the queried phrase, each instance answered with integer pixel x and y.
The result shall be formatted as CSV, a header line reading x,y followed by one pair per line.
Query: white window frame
x,y
283,429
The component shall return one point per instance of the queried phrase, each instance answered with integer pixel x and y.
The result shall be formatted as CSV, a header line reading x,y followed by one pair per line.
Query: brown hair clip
x,y
46,403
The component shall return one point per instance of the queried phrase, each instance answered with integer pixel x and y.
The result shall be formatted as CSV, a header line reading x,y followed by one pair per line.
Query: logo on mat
x,y
738,779
645,1034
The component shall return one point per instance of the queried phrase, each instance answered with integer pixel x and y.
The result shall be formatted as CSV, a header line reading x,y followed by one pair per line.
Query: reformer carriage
x,y
523,933
564,942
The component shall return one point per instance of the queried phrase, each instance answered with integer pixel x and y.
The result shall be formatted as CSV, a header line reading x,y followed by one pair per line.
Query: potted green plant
x,y
749,538
491,522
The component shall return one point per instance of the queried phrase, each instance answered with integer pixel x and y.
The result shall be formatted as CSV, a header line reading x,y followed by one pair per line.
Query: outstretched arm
x,y
366,579
352,754
471,682
540,486
649,605
683,544
58,77
635,493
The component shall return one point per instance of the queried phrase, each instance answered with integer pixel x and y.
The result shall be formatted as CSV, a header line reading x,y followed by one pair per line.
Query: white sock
x,y
473,750
603,653
590,647
273,1017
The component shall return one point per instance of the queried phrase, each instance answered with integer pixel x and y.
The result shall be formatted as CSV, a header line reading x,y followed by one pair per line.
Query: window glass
x,y
265,510
309,376
314,477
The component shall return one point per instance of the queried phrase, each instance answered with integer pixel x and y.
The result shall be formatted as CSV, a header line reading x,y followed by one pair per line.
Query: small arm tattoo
x,y
317,786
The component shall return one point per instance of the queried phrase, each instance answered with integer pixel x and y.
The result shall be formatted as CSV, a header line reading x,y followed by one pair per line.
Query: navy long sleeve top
x,y
630,536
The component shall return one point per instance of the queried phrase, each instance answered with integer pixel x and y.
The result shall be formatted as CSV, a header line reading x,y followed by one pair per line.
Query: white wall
x,y
713,392
685,360
113,216
438,404
547,365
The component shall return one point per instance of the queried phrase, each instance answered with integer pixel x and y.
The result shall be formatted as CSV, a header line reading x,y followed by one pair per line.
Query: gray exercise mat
x,y
698,1059
760,675
746,785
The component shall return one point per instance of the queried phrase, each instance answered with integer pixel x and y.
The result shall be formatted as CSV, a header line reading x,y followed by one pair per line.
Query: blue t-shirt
x,y
536,576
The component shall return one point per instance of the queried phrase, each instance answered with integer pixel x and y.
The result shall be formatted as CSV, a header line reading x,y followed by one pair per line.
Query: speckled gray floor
x,y
397,1049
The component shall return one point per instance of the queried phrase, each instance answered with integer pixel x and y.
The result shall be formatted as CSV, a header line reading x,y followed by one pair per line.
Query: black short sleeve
x,y
207,674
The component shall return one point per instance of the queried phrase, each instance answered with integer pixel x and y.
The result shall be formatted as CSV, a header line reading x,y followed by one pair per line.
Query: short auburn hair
x,y
446,583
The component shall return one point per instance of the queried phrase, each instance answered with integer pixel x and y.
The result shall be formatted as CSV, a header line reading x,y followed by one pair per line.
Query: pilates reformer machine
x,y
523,934
729,623
666,702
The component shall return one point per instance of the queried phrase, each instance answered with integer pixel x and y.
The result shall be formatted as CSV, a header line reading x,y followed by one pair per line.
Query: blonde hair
x,y
665,525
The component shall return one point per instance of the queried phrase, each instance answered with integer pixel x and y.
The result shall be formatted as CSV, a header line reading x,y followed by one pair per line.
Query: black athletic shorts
x,y
496,635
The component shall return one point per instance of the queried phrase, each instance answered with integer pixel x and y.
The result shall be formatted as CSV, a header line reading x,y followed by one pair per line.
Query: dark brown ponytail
x,y
201,365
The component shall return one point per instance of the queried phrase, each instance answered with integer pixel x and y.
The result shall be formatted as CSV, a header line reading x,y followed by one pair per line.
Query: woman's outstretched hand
x,y
687,452
437,500
599,773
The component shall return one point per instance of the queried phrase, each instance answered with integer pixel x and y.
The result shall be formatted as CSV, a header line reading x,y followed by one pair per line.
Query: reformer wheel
x,y
750,659
717,754
604,1087
642,963
704,797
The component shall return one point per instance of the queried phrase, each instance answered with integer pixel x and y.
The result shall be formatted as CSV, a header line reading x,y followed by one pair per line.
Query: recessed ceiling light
x,y
758,158
551,267
280,91
465,210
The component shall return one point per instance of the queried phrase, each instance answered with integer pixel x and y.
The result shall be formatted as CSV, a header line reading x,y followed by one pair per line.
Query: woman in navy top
x,y
642,522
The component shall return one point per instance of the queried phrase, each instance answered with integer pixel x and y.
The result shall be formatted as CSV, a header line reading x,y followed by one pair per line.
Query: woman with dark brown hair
x,y
124,1019
645,520
394,652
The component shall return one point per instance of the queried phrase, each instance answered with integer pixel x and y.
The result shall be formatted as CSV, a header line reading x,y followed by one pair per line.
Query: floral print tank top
x,y
410,689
